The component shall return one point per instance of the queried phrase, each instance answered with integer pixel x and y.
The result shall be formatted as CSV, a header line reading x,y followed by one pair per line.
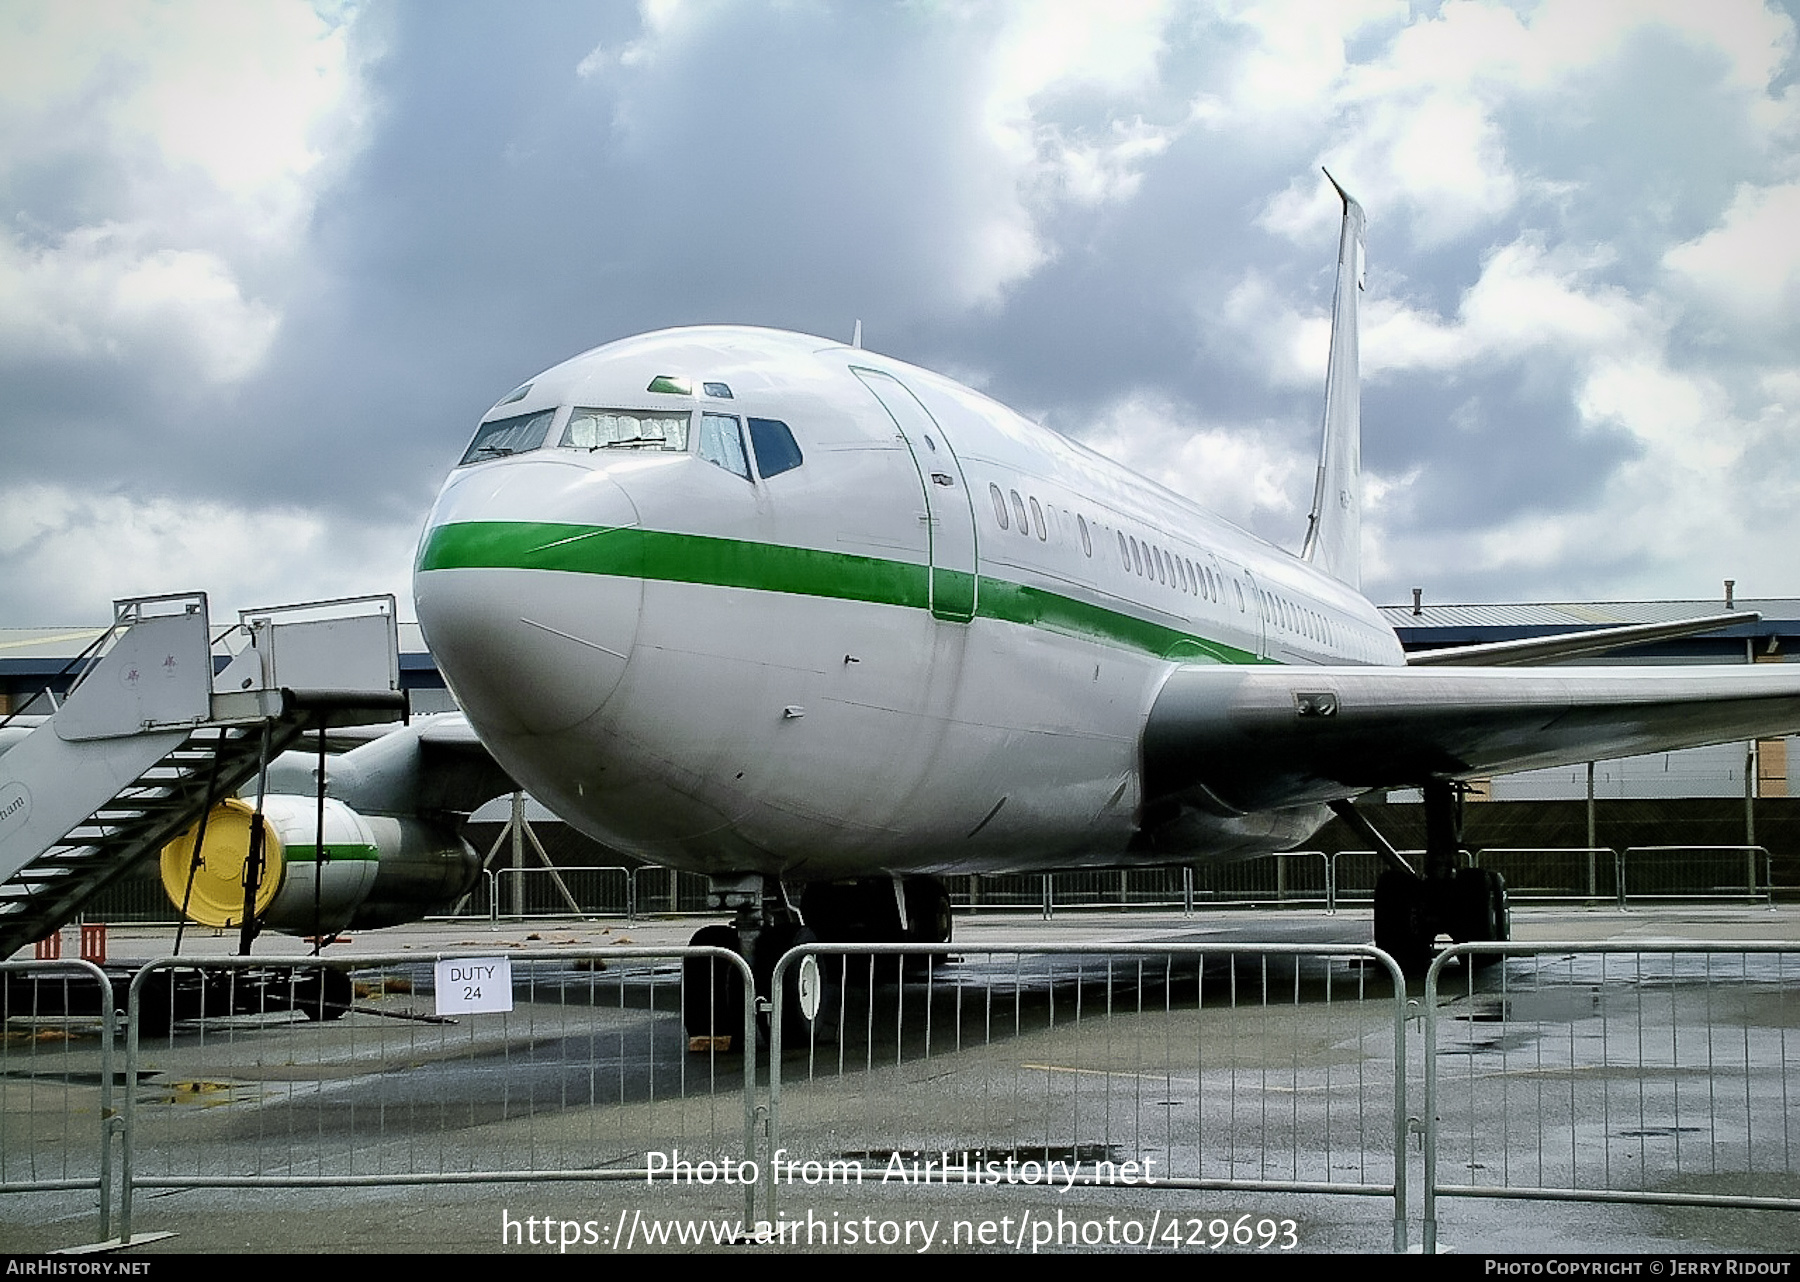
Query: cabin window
x,y
626,430
1124,552
722,444
508,436
1019,511
1137,556
1087,546
775,447
1037,517
999,506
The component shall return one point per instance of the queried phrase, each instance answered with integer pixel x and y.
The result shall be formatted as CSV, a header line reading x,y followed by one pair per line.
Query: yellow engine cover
x,y
218,895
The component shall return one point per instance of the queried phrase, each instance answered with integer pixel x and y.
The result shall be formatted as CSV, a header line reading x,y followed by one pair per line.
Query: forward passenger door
x,y
949,511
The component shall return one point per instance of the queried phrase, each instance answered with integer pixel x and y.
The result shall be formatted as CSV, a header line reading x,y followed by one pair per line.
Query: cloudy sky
x,y
264,266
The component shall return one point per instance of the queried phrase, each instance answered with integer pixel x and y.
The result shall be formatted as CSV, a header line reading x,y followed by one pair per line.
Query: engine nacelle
x,y
376,870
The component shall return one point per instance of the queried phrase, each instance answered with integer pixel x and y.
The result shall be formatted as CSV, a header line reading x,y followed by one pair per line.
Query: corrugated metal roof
x,y
1583,614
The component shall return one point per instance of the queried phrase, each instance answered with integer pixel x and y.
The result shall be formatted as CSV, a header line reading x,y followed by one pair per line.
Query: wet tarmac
x,y
1185,1099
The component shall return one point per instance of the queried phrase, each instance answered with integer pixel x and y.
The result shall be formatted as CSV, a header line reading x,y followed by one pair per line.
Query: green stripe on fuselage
x,y
773,567
335,852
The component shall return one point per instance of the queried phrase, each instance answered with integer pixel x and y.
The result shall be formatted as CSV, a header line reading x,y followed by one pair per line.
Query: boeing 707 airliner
x,y
792,614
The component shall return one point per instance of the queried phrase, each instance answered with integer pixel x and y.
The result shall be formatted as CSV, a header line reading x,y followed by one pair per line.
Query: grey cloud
x,y
805,166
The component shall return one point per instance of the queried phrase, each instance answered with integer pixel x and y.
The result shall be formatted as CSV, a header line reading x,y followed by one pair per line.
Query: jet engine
x,y
373,870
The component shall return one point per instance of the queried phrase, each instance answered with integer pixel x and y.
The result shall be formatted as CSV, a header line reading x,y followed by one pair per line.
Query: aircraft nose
x,y
527,593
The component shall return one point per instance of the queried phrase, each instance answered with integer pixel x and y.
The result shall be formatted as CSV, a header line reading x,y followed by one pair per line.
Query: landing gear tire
x,y
1479,912
929,920
712,994
928,911
1402,929
807,979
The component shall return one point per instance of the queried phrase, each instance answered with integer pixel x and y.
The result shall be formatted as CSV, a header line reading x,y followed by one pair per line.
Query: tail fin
x,y
1334,529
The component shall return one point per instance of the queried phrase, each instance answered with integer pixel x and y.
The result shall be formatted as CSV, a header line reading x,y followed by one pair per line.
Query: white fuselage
x,y
930,646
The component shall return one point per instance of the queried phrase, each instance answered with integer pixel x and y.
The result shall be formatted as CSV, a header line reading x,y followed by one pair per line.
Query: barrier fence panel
x,y
1157,1068
595,891
1652,1073
1552,873
659,891
1696,872
57,1029
601,891
1296,877
251,1073
1355,872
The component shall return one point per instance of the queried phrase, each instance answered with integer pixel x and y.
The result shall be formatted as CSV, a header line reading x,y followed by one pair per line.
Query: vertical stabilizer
x,y
1334,529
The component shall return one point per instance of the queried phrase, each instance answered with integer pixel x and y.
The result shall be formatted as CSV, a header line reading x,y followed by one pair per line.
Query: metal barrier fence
x,y
1354,874
655,889
289,1078
1649,1073
1162,1068
1600,873
56,1080
1293,877
563,892
1696,872
586,891
1548,874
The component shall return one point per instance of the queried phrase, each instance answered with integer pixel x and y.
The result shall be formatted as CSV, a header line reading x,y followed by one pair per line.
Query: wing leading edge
x,y
1236,740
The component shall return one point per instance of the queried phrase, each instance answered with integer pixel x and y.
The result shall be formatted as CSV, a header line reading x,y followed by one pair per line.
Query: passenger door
x,y
949,512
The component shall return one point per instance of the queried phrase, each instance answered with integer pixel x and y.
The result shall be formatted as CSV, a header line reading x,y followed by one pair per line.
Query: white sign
x,y
468,985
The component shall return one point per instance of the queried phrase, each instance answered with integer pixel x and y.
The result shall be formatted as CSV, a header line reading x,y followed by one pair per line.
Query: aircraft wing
x,y
1241,739
1575,645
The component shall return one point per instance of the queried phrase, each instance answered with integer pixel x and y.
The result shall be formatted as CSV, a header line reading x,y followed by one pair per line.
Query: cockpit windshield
x,y
508,436
626,430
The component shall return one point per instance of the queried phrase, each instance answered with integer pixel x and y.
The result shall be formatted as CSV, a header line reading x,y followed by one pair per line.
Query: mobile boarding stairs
x,y
154,731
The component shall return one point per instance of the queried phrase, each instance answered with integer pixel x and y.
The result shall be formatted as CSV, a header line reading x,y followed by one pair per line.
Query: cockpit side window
x,y
722,443
776,449
508,436
593,429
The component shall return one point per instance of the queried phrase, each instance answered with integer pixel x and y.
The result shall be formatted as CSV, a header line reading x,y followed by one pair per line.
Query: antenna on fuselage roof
x,y
1334,527
856,335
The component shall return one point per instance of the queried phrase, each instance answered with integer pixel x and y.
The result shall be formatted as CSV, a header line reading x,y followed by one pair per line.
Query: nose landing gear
x,y
767,926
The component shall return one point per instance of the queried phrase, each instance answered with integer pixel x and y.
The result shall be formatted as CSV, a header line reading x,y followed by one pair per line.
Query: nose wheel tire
x,y
796,1029
712,993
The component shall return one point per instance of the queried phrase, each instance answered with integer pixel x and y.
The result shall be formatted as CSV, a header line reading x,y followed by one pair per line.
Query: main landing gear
x,y
1413,909
767,926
